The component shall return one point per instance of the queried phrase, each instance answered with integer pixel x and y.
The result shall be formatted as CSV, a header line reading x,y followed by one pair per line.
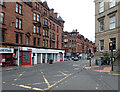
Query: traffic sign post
x,y
89,51
111,48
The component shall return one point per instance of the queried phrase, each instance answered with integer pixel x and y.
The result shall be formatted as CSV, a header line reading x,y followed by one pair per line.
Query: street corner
x,y
104,70
90,67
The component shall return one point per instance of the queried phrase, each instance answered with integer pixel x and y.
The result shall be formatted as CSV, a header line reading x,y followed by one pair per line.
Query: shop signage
x,y
6,50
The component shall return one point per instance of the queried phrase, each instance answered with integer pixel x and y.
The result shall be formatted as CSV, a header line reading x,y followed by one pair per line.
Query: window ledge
x,y
18,13
18,28
2,24
3,6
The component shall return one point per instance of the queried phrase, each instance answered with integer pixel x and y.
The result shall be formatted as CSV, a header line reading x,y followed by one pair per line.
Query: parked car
x,y
76,59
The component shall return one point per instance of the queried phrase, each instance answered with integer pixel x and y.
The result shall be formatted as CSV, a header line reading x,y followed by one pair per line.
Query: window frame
x,y
112,22
101,26
17,23
101,6
38,42
101,45
34,29
20,23
38,17
34,16
34,41
27,40
112,3
2,17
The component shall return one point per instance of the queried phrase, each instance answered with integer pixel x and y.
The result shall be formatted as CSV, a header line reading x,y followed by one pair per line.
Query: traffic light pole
x,y
112,58
90,61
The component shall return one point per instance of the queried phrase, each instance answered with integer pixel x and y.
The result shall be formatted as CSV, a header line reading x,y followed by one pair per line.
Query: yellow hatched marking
x,y
25,86
4,82
19,76
63,73
38,89
46,81
57,82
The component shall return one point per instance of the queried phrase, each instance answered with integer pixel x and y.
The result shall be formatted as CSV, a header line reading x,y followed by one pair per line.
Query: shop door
x,y
26,58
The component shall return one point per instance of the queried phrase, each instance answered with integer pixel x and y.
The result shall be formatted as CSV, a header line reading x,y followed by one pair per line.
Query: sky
x,y
77,14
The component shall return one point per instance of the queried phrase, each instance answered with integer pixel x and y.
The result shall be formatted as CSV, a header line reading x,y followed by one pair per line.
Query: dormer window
x,y
45,12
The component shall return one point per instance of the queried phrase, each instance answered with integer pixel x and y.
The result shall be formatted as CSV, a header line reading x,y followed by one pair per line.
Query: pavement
x,y
105,68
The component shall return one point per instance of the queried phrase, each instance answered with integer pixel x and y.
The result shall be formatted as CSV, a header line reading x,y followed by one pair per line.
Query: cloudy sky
x,y
78,14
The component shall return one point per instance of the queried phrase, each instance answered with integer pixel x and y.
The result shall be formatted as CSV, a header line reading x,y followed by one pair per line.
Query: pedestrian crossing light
x,y
110,46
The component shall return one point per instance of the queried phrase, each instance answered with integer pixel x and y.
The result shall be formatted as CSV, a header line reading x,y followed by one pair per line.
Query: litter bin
x,y
51,61
99,62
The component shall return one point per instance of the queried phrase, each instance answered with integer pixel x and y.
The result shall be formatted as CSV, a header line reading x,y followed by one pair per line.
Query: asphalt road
x,y
58,76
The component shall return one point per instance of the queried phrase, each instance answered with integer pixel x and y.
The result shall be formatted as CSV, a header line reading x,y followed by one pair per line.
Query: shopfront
x,y
24,56
6,56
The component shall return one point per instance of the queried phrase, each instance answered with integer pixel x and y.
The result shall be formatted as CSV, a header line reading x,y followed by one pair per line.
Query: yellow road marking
x,y
40,83
19,76
63,73
58,75
58,82
115,74
46,81
4,82
25,86
38,89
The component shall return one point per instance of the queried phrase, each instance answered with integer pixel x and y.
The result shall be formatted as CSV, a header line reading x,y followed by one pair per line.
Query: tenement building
x,y
31,33
76,44
107,28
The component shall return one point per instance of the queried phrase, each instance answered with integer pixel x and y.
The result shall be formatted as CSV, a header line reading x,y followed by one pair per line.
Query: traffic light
x,y
110,46
89,51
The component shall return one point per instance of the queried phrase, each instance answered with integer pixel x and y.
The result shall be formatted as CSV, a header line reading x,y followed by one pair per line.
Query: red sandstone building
x,y
76,44
30,29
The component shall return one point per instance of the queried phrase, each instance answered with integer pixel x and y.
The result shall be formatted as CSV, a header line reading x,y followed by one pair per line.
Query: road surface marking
x,y
25,86
63,73
19,76
113,74
40,83
38,89
4,82
57,82
50,86
46,81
